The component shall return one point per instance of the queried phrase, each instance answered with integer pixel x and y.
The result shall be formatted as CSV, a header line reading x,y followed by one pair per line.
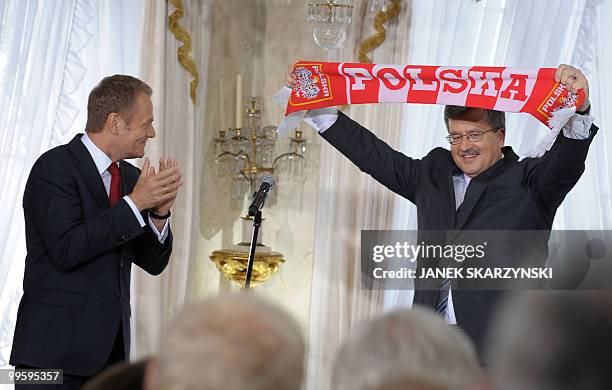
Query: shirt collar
x,y
100,158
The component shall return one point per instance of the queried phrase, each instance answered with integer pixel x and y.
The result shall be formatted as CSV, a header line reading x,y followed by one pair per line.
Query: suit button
x,y
122,237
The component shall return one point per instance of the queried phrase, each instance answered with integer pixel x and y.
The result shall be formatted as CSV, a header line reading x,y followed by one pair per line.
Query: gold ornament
x,y
183,51
233,265
375,40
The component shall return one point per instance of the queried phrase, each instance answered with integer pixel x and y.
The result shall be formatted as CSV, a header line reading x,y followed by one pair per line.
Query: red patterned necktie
x,y
115,187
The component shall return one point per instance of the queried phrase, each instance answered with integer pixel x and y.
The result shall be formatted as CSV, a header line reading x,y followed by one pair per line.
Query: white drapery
x,y
349,202
47,68
31,119
179,126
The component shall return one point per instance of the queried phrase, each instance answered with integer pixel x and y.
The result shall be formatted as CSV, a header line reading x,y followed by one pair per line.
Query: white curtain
x,y
30,118
50,58
348,202
515,33
179,126
594,190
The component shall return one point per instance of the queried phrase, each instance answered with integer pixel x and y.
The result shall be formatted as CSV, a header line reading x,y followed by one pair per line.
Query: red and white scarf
x,y
509,89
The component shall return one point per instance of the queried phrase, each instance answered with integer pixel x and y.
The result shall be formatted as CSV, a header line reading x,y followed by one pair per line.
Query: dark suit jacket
x,y
79,256
510,195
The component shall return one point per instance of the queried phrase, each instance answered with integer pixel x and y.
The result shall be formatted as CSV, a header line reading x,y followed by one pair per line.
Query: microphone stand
x,y
256,226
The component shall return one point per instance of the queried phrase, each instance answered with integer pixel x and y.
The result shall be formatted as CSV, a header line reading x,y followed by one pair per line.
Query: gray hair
x,y
232,342
414,345
553,340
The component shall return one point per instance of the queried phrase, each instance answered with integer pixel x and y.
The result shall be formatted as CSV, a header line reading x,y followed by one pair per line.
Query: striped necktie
x,y
442,302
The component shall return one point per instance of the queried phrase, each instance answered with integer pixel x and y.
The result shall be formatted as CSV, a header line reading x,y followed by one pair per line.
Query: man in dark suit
x,y
89,215
478,185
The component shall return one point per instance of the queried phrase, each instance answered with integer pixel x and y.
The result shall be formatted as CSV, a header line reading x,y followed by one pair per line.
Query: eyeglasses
x,y
472,136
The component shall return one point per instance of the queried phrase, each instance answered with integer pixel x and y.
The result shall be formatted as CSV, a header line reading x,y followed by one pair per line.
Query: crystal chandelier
x,y
247,153
379,5
331,18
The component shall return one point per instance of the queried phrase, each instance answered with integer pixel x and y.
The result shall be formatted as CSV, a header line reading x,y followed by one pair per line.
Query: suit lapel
x,y
472,195
87,168
128,180
447,194
480,182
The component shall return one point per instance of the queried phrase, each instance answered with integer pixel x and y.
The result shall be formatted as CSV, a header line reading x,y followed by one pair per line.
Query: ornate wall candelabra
x,y
246,154
242,156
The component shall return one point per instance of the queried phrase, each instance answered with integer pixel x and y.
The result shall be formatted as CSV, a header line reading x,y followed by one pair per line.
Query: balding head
x,y
406,346
553,340
232,342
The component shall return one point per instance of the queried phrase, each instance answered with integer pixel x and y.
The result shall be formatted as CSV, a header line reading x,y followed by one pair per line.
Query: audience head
x,y
553,340
407,349
231,342
120,376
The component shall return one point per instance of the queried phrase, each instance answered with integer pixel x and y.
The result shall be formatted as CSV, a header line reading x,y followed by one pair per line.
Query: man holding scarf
x,y
479,184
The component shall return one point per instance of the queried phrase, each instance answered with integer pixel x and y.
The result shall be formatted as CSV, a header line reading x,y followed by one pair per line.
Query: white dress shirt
x,y
577,128
102,162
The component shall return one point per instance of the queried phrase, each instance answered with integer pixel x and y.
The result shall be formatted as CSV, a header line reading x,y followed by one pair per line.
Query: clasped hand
x,y
157,190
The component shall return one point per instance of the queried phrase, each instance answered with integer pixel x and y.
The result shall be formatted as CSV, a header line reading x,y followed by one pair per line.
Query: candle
x,y
221,96
239,101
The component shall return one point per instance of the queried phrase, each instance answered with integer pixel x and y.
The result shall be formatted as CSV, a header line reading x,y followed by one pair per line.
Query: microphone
x,y
267,185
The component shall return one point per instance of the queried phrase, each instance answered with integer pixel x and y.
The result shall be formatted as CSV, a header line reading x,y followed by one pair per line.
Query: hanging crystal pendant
x,y
379,5
331,18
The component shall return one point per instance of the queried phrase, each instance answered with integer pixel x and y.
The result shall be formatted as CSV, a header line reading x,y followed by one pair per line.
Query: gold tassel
x,y
375,40
183,51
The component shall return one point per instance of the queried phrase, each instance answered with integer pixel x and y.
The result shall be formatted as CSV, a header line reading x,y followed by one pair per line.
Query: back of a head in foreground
x,y
406,346
120,376
232,342
553,340
409,384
